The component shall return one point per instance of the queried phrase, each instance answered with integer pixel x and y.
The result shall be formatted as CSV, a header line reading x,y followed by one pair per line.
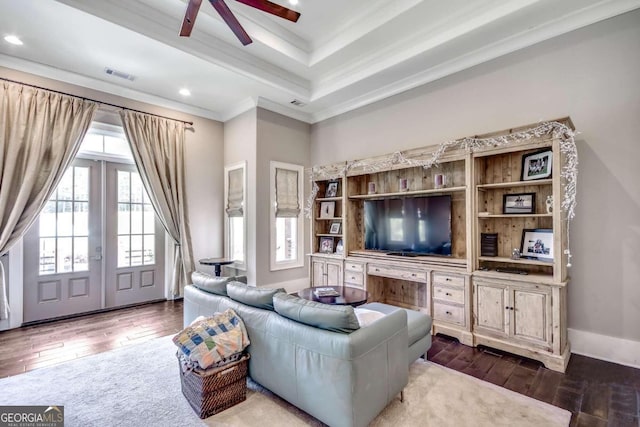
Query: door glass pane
x,y
64,254
149,219
81,219
123,218
136,188
136,250
119,146
65,219
92,142
47,256
124,186
81,184
81,254
149,249
65,188
123,251
47,220
136,219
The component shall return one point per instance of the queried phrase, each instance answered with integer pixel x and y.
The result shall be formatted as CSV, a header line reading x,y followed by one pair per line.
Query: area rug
x,y
140,386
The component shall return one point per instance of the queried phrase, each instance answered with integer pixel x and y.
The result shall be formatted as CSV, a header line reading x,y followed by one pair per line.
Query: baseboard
x,y
291,285
603,347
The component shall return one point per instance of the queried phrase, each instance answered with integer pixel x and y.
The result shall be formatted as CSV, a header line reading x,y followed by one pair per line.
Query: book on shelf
x,y
326,292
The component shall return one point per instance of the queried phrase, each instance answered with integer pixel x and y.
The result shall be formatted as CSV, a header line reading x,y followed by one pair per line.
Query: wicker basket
x,y
213,390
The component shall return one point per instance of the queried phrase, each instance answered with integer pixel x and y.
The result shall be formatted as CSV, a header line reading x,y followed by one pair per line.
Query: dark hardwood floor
x,y
597,393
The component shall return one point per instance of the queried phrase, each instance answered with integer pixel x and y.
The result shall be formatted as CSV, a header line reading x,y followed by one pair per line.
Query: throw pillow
x,y
253,296
337,318
367,317
208,341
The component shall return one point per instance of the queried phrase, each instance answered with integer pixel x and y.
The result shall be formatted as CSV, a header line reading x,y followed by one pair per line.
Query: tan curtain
x,y
287,204
158,149
40,133
235,192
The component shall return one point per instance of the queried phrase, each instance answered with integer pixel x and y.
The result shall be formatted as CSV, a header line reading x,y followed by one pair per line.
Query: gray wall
x,y
240,145
592,75
286,140
203,160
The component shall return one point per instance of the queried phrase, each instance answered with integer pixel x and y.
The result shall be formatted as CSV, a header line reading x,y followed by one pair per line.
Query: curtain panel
x,y
157,145
40,134
287,204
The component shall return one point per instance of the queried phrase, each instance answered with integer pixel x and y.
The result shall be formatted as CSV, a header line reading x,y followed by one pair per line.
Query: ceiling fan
x,y
230,19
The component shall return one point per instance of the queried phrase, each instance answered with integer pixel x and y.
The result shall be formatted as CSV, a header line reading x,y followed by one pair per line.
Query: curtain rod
x,y
95,100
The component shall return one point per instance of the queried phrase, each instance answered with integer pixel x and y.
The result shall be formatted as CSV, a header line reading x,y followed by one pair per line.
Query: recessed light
x,y
185,92
293,2
13,40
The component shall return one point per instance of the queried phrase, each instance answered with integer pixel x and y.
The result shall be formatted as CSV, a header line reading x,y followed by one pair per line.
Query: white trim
x,y
299,261
290,286
611,349
16,293
240,165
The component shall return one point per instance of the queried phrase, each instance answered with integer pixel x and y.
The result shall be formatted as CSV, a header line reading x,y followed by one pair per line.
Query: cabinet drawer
x,y
448,279
397,273
445,293
448,313
352,278
354,266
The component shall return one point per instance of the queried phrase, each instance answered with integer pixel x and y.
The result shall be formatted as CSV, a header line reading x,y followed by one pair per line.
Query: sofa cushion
x,y
418,323
367,317
253,296
337,318
214,284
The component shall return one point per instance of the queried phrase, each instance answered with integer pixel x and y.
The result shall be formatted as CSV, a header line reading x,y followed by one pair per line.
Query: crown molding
x,y
284,110
239,108
102,86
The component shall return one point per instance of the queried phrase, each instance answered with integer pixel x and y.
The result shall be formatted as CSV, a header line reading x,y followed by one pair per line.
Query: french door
x,y
97,244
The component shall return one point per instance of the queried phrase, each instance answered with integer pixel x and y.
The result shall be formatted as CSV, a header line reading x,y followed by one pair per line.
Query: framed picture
x,y
537,243
537,165
327,209
326,245
335,227
340,247
332,189
523,203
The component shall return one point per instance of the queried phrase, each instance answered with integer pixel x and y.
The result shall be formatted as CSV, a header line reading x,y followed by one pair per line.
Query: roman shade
x,y
235,193
287,203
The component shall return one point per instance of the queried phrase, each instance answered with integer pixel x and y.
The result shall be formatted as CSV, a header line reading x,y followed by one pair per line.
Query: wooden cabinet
x,y
326,271
328,225
354,273
451,311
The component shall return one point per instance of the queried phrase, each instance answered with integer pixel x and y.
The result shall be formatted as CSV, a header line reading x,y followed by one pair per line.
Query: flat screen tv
x,y
409,225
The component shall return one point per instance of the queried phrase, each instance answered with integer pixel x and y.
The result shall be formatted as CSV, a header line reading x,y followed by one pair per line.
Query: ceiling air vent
x,y
298,103
120,74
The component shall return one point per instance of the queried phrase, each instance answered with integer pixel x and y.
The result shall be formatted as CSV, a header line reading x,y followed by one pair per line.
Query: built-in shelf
x,y
409,193
544,215
328,235
514,184
329,199
335,218
531,277
523,261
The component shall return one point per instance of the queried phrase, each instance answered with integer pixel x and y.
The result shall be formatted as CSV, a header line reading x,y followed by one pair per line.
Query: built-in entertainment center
x,y
471,231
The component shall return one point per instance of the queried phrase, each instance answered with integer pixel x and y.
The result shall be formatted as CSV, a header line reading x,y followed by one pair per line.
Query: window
x,y
106,141
235,224
286,215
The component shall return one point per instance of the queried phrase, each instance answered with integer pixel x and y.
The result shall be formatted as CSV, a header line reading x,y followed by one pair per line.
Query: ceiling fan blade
x,y
231,21
190,17
272,8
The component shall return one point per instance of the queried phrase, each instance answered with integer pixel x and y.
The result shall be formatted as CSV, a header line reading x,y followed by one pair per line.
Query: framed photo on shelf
x,y
537,243
340,247
327,209
332,189
335,227
537,165
522,203
326,245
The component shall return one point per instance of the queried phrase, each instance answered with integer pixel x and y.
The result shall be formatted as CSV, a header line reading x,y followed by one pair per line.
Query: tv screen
x,y
409,225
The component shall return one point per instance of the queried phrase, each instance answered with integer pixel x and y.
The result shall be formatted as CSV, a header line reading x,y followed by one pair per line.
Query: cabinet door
x,y
532,315
334,274
491,307
317,272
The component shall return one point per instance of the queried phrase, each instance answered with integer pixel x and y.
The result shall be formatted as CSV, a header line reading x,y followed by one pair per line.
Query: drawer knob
x,y
448,294
377,269
448,279
413,274
448,312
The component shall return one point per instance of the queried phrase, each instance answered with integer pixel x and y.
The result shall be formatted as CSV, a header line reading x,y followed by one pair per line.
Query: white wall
x,y
592,75
286,140
240,145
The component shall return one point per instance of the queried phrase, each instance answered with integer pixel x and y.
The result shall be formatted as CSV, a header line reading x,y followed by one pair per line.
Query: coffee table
x,y
348,296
